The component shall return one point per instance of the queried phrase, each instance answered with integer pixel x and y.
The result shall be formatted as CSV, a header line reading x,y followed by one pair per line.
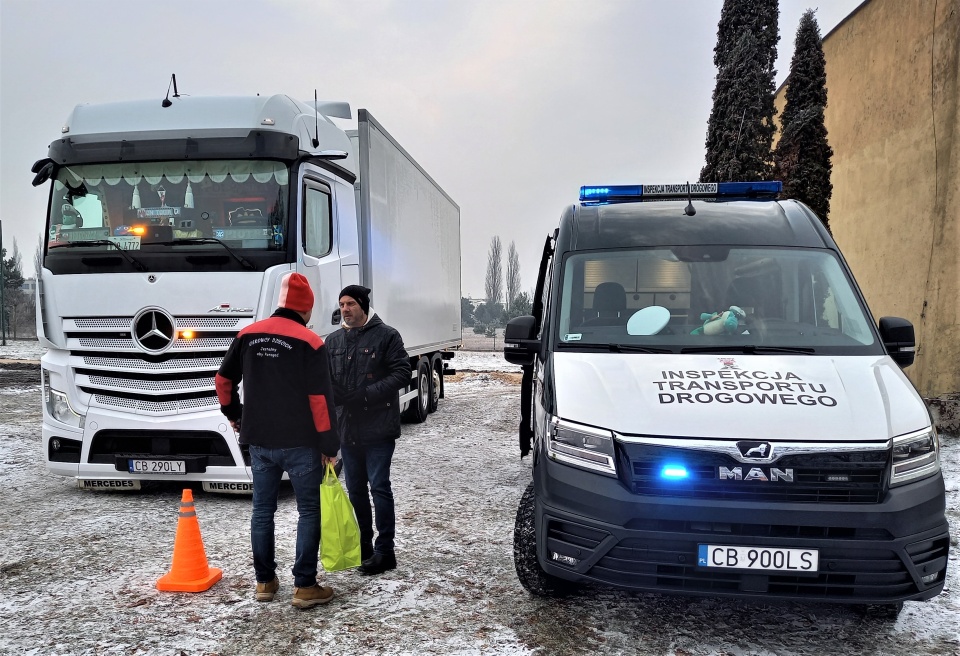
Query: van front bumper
x,y
590,528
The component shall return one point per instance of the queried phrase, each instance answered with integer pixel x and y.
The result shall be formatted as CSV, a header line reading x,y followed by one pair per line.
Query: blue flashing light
x,y
596,194
674,472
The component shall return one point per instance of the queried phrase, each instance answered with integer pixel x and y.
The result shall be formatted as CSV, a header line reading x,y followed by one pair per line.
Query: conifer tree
x,y
740,131
802,156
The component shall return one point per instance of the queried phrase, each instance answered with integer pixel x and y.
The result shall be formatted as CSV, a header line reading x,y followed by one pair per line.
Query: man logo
x,y
755,450
755,474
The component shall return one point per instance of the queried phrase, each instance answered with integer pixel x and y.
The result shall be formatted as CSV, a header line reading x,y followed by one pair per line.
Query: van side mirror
x,y
898,339
520,343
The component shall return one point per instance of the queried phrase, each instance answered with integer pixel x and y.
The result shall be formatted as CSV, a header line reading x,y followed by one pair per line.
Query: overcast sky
x,y
510,105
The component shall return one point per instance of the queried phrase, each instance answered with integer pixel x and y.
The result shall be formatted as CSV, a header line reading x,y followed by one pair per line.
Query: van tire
x,y
418,410
532,577
885,612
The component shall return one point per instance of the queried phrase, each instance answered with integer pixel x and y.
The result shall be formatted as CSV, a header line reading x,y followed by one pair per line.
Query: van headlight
x,y
915,456
581,446
58,406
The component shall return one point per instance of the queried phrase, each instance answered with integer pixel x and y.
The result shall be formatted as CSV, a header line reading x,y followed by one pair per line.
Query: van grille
x,y
841,477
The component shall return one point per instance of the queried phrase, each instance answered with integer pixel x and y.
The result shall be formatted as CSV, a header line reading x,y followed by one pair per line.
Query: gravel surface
x,y
78,569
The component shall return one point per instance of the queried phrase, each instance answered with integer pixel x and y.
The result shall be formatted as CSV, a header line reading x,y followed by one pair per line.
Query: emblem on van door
x,y
755,450
153,330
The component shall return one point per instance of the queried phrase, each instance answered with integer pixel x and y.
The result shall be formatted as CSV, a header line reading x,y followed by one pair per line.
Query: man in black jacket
x,y
369,366
287,421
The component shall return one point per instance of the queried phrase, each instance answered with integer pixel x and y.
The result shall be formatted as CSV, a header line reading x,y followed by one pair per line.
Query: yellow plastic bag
x,y
339,533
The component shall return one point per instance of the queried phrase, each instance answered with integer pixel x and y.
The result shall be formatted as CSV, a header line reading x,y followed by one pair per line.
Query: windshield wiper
x,y
137,264
614,348
209,240
748,349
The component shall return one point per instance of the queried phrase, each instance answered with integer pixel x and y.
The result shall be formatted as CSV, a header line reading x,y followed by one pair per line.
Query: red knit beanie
x,y
295,293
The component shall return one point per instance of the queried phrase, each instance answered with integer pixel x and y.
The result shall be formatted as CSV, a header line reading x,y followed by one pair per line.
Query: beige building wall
x,y
893,124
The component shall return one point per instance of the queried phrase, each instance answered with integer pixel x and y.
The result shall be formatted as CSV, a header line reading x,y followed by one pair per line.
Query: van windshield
x,y
712,299
169,206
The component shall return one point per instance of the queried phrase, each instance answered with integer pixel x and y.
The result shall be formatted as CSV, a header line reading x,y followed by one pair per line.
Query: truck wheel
x,y
436,385
419,406
531,574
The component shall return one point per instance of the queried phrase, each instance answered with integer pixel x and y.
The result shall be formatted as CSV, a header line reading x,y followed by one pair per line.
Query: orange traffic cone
x,y
189,572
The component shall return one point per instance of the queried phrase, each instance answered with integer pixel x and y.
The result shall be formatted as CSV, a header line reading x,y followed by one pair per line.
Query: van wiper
x,y
614,348
748,349
137,264
209,240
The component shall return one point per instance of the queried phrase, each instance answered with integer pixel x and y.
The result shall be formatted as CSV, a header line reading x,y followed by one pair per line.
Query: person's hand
x,y
235,423
328,460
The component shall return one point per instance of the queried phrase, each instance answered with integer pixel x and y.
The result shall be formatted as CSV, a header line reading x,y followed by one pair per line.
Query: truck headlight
x,y
581,446
58,406
915,456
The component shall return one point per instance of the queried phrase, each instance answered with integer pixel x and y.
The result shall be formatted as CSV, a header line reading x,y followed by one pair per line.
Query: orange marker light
x,y
186,334
138,230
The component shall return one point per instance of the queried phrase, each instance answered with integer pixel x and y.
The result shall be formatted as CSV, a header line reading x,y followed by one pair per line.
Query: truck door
x,y
321,258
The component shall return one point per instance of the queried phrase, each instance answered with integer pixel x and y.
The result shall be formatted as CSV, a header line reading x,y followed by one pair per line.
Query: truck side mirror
x,y
520,343
898,339
44,169
336,318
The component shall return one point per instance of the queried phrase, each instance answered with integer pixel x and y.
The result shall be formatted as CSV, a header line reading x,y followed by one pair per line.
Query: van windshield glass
x,y
155,205
713,298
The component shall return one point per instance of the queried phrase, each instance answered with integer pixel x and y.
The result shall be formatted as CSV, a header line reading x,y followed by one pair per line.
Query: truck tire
x,y
531,574
436,385
419,406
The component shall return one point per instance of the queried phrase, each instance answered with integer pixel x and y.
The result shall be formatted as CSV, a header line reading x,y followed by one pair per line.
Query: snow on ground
x,y
78,569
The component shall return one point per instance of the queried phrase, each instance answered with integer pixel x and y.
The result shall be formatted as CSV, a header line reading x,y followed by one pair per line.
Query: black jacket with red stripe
x,y
287,390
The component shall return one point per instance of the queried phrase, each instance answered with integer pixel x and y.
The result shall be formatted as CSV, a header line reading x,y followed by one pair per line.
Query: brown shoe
x,y
266,591
312,596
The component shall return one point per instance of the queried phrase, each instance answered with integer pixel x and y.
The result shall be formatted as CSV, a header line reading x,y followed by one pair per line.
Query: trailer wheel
x,y
531,574
436,385
419,406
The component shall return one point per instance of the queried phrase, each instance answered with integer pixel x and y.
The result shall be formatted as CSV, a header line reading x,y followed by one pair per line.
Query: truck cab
x,y
712,410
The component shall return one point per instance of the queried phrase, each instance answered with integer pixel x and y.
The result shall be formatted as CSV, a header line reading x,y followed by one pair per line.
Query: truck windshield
x,y
169,207
712,299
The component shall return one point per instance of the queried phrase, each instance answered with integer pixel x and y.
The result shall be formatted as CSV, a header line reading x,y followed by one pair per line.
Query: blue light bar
x,y
625,193
674,472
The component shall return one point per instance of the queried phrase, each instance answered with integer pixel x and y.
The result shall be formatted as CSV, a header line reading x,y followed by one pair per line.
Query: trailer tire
x,y
532,577
419,406
436,385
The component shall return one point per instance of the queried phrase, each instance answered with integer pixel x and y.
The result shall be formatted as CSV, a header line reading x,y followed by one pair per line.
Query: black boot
x,y
366,551
378,563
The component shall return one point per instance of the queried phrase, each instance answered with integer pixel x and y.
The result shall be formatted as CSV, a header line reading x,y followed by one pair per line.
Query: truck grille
x,y
109,365
841,477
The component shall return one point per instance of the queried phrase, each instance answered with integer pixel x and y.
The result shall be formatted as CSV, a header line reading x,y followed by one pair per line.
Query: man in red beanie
x,y
288,425
369,367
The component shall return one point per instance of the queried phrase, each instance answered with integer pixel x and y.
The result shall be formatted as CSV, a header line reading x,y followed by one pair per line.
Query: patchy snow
x,y
78,569
21,349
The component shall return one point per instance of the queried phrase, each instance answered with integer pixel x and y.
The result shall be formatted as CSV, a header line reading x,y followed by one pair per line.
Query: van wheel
x,y
419,406
436,385
887,612
531,574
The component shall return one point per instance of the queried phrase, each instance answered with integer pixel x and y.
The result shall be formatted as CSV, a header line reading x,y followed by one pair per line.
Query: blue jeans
x,y
369,464
305,469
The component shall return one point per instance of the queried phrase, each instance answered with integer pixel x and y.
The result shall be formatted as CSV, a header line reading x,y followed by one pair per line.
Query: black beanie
x,y
358,293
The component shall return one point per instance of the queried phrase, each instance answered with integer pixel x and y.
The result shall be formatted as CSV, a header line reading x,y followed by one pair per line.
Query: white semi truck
x,y
170,226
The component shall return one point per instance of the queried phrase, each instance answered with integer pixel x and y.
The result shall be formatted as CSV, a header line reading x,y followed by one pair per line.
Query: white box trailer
x,y
409,241
169,227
